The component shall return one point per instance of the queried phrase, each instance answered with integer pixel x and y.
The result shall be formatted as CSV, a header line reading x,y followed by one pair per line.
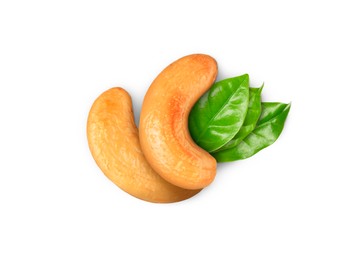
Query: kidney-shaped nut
x,y
114,143
163,131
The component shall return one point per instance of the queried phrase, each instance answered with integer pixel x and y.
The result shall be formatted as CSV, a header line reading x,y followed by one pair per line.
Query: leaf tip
x,y
288,107
261,88
245,77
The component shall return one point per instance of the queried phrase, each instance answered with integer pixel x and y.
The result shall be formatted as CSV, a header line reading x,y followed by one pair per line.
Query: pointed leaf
x,y
267,131
251,119
271,110
219,113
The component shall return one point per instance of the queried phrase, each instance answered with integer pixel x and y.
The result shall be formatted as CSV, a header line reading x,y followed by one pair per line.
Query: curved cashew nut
x,y
114,144
163,131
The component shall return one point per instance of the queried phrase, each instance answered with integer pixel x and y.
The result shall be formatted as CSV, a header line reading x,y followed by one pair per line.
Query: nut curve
x,y
114,143
164,135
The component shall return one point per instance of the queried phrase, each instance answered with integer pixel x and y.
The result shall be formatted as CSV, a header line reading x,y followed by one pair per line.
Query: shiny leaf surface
x,y
271,110
267,131
219,113
251,119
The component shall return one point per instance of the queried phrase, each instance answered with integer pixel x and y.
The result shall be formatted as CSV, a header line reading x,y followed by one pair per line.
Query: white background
x,y
301,198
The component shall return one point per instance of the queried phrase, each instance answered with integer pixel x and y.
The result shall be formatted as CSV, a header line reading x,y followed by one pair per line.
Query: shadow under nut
x,y
164,135
114,143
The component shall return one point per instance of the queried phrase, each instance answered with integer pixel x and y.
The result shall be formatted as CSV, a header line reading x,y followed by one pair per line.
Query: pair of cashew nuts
x,y
160,163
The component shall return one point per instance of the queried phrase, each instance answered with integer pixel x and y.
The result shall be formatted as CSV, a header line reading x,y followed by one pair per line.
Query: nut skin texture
x,y
164,135
114,143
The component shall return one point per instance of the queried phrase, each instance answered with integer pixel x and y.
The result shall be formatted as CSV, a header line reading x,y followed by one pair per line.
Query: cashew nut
x,y
114,143
164,136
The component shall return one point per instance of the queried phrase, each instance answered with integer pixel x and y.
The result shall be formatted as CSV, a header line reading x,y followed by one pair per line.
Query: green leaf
x,y
267,131
219,114
251,119
271,110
